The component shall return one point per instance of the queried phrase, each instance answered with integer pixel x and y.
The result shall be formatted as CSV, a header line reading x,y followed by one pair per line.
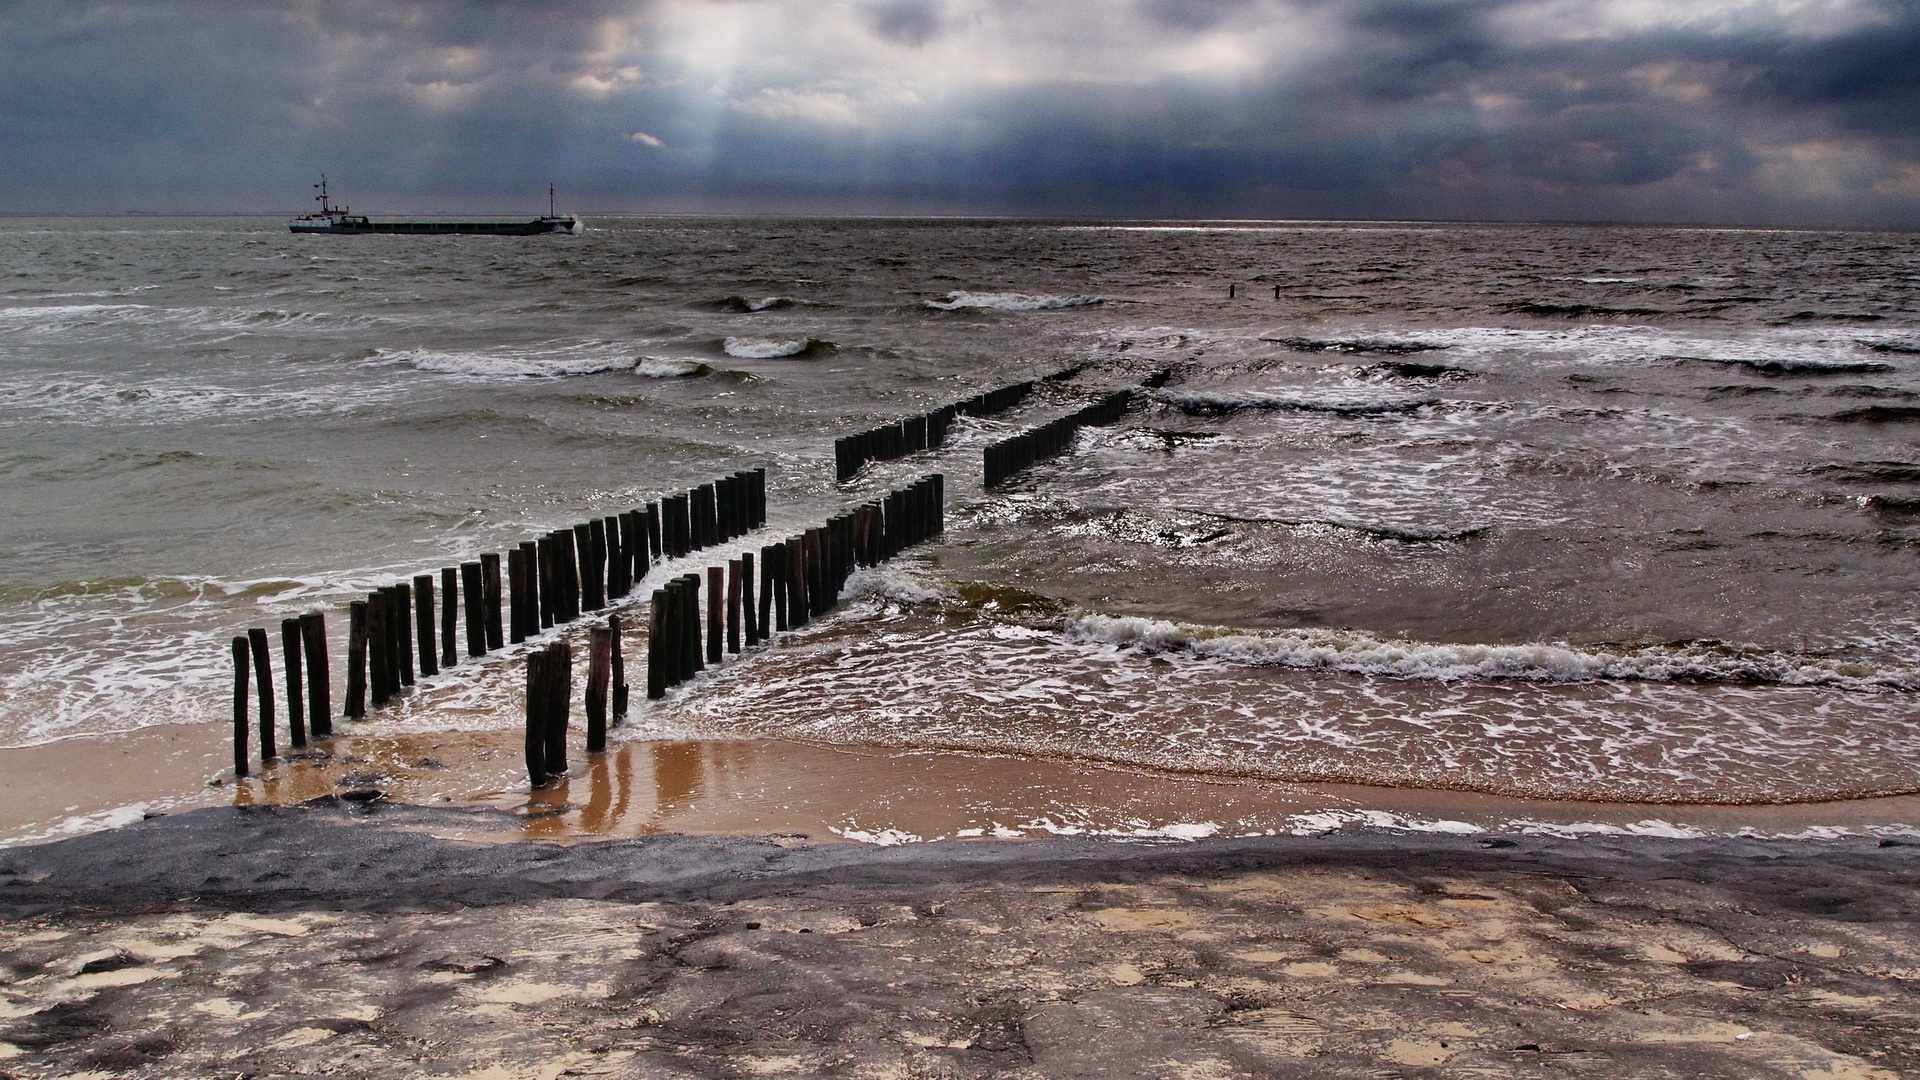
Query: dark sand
x,y
360,941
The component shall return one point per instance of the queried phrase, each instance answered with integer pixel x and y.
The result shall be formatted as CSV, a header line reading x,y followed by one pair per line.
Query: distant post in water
x,y
313,635
240,668
356,660
263,685
290,648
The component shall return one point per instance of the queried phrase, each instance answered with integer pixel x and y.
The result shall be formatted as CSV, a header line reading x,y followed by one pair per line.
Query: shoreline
x,y
770,786
396,949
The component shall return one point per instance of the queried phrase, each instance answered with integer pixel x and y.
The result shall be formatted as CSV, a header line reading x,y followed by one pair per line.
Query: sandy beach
x,y
358,939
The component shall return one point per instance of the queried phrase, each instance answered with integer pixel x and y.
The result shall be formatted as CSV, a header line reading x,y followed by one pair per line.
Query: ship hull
x,y
440,228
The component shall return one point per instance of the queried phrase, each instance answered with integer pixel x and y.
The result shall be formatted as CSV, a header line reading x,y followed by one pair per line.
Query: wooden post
x,y
313,635
566,560
592,539
751,625
656,539
490,598
733,605
797,606
536,734
616,582
559,704
449,616
690,626
356,659
620,688
470,592
777,591
290,656
760,496
378,654
240,667
657,638
599,677
263,685
716,618
530,581
423,624
403,630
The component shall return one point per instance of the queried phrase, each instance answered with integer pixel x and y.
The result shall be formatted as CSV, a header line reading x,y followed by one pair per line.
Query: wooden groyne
x,y
1003,459
551,581
929,432
800,579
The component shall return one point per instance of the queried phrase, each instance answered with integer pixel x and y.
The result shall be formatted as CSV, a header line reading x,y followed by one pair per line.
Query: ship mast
x,y
322,197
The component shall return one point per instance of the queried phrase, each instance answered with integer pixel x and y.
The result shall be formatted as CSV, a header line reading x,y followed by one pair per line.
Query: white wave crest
x,y
759,348
893,585
957,301
1360,652
663,367
514,363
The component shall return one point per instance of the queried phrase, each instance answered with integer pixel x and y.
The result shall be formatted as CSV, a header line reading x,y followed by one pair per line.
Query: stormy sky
x,y
1791,112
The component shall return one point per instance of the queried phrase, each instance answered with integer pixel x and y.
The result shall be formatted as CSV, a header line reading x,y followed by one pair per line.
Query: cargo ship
x,y
338,219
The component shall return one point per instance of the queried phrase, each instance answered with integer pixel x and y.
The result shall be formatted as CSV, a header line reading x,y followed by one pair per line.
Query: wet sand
x,y
764,787
360,940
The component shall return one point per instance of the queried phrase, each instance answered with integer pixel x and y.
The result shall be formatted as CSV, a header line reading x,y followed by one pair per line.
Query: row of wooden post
x,y
309,686
800,578
552,581
1003,459
916,433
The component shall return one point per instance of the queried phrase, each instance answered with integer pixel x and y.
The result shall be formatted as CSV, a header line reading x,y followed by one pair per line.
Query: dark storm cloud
x,y
1478,108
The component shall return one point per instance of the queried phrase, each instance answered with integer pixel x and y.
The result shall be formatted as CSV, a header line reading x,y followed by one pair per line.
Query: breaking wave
x,y
774,348
1362,653
661,367
963,301
585,359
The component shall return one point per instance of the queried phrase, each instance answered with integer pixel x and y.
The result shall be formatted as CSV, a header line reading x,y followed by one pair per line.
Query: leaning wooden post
x,y
356,660
423,623
290,655
470,595
490,599
449,616
599,675
536,718
240,668
313,635
716,618
619,673
263,685
657,646
733,605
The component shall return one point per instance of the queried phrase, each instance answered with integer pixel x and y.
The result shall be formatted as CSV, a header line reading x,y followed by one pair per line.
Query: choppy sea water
x,y
1626,514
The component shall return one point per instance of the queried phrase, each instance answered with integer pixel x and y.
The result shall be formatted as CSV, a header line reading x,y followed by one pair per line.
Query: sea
x,y
1609,514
